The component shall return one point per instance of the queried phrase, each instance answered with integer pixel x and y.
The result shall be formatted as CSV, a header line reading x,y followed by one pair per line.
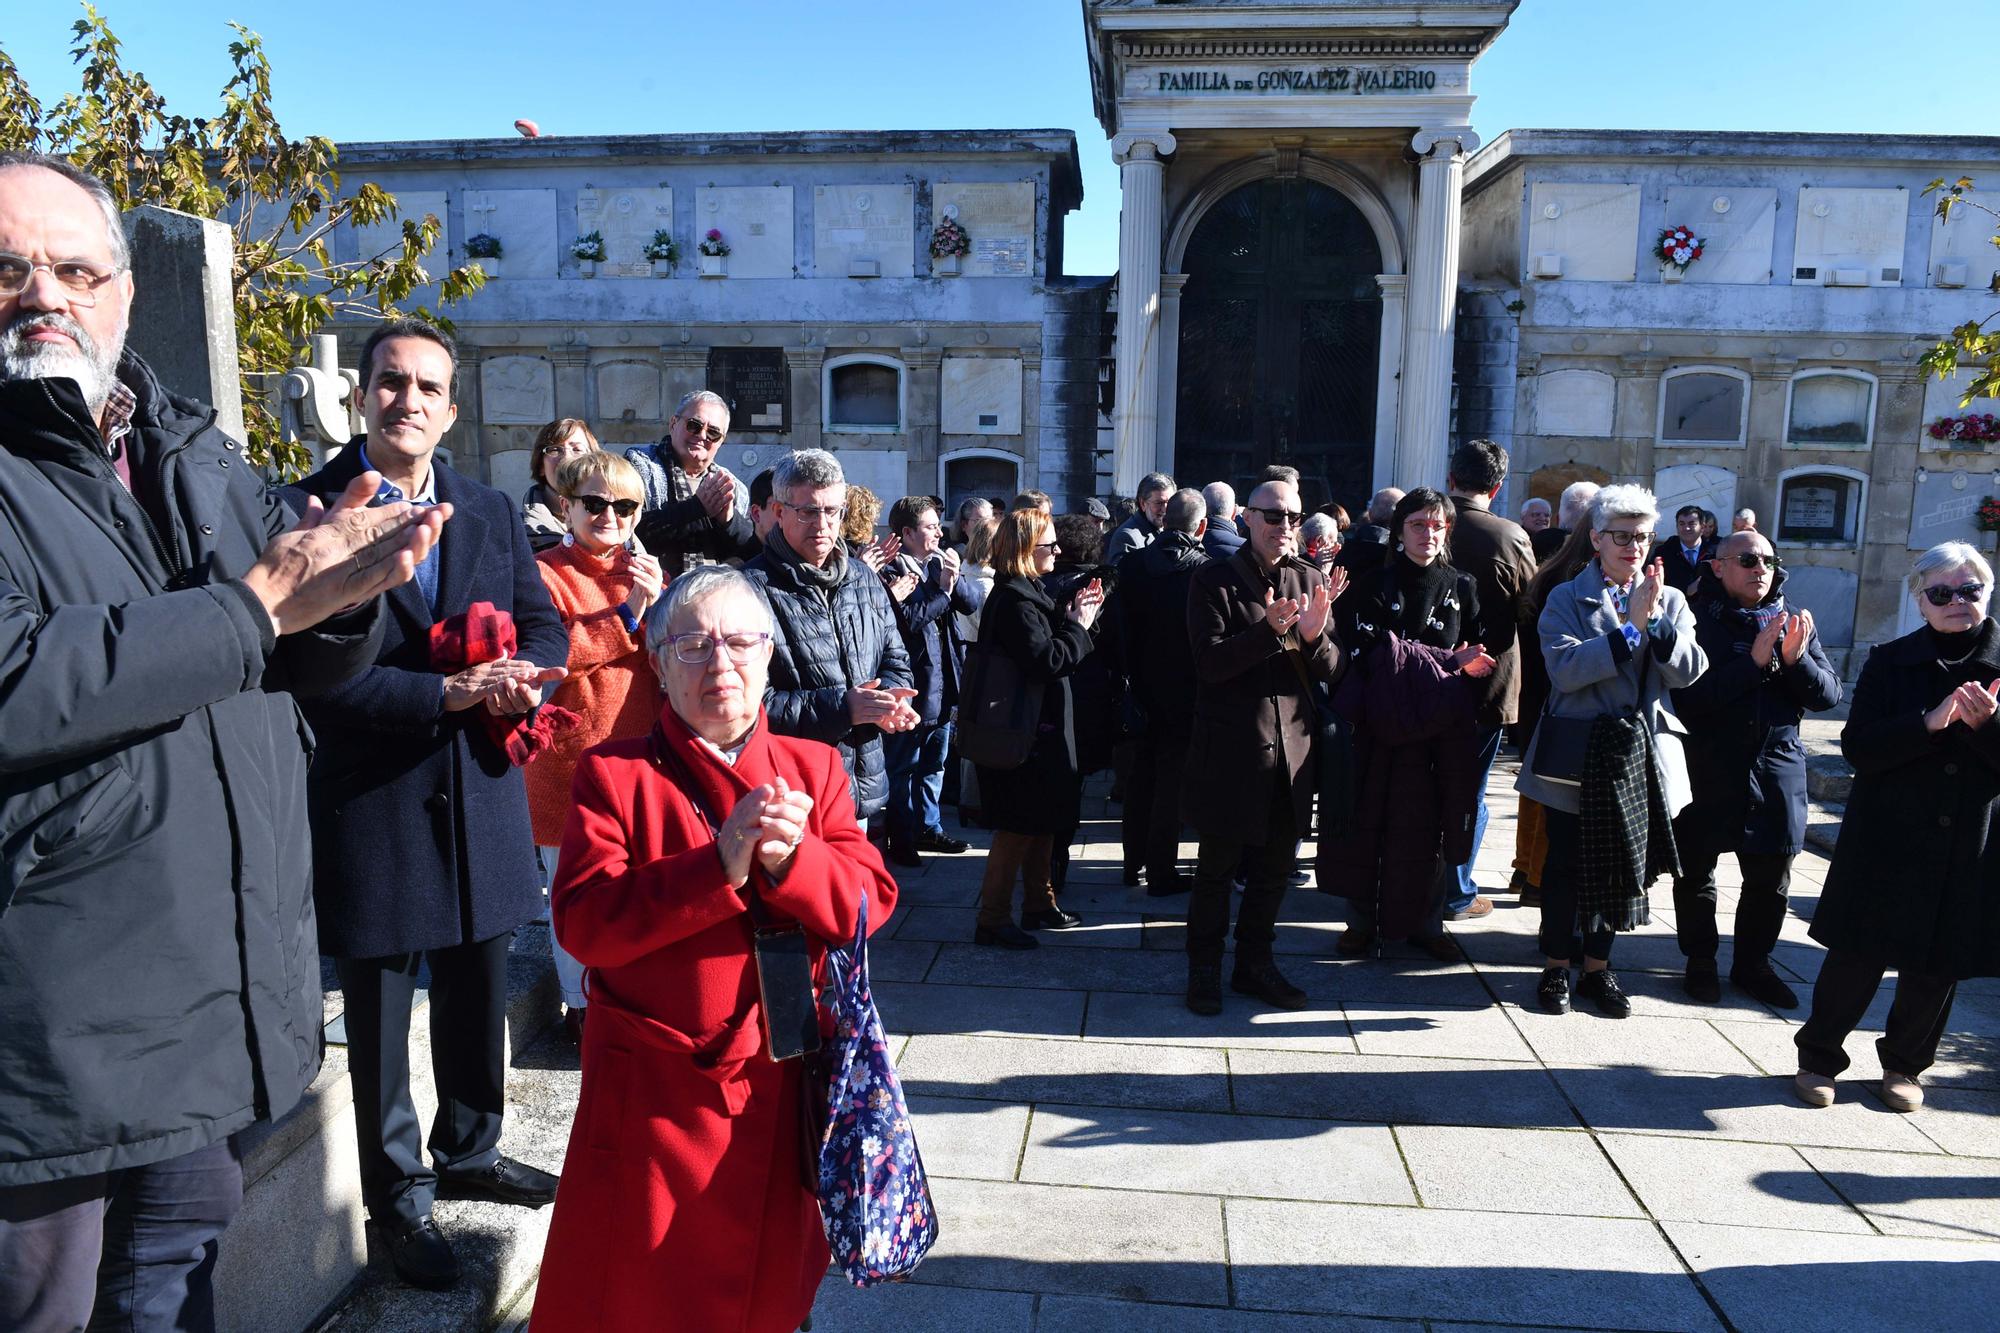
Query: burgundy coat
x,y
684,1200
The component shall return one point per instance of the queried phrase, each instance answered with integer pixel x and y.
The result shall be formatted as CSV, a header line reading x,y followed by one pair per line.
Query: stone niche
x,y
883,471
1575,402
1850,237
864,231
511,471
1829,594
980,395
1941,400
1592,230
517,391
1962,250
1946,507
1737,225
1548,483
756,224
627,216
372,239
999,220
1713,488
524,222
628,390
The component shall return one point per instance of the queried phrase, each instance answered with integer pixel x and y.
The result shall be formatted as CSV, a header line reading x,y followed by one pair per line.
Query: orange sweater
x,y
610,685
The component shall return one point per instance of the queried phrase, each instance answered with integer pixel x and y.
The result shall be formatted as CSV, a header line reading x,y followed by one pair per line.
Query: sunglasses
x,y
1628,538
1048,546
1283,518
1748,560
595,505
1969,593
701,430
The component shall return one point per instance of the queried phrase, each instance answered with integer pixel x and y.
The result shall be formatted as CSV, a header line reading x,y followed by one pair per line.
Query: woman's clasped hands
x,y
766,828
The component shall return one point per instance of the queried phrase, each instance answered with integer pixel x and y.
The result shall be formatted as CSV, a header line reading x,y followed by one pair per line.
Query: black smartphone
x,y
785,985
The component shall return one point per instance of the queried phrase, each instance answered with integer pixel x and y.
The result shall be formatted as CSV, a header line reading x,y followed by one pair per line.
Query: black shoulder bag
x,y
1561,743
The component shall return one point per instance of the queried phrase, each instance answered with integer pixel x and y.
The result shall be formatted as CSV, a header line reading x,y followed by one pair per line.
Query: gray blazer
x,y
1588,677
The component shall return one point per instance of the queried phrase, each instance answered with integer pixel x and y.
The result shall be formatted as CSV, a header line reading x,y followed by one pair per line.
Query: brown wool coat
x,y
1496,552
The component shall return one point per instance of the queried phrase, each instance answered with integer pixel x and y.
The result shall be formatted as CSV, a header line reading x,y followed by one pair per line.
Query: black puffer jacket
x,y
159,971
824,645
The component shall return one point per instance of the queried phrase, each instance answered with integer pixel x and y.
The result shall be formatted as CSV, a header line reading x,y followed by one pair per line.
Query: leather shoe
x,y
1354,941
1009,936
1442,948
1265,982
1763,984
937,840
422,1257
1553,992
902,854
506,1181
1131,877
1601,989
1053,919
1481,905
1204,989
1701,982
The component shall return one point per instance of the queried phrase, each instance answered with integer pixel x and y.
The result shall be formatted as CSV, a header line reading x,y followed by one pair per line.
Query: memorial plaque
x,y
756,384
1945,507
999,220
627,217
524,222
1575,402
1815,509
1712,488
1737,225
628,391
755,222
864,225
980,395
517,390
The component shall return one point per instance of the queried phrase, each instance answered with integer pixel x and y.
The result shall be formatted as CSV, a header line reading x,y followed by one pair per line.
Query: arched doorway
x,y
1280,333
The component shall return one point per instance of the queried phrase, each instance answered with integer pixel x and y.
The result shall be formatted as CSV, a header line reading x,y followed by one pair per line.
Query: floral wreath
x,y
1678,246
1988,517
1974,428
949,241
712,244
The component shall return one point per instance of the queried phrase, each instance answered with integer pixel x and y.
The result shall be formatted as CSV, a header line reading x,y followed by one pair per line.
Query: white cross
x,y
485,206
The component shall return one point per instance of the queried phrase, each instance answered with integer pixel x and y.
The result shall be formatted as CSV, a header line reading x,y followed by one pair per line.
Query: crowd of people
x,y
390,716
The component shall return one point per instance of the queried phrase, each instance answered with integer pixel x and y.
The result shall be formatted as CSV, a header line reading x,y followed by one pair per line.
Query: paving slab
x,y
1398,1090
1962,1122
842,1308
911,1007
1780,1281
1092,1242
1726,1106
1066,967
1438,1263
1737,1184
1165,1020
1082,1314
1949,1198
899,960
961,1136
1245,1155
1654,1043
955,925
1514,1171
915,892
1465,1034
1090,1073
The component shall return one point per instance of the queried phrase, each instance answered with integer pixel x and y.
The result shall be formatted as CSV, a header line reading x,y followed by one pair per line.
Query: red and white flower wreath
x,y
1678,246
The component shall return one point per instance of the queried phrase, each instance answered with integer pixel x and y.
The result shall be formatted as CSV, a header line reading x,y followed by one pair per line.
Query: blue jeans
x,y
569,972
1460,898
915,760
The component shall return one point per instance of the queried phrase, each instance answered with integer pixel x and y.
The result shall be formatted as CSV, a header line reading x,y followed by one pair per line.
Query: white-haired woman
x,y
1915,875
1616,640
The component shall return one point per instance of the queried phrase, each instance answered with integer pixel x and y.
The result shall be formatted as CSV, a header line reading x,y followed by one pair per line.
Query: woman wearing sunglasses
x,y
601,582
1914,876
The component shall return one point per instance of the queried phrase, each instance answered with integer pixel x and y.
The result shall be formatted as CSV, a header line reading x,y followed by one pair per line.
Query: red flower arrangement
x,y
1989,514
1974,428
1678,246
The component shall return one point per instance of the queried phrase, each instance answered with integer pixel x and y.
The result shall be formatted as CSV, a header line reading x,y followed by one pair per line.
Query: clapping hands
x,y
766,828
1971,703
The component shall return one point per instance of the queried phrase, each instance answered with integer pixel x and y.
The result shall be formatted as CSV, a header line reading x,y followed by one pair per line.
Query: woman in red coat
x,y
686,1201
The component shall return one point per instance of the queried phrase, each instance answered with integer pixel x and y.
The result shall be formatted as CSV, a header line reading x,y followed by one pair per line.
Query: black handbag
x,y
999,710
1562,742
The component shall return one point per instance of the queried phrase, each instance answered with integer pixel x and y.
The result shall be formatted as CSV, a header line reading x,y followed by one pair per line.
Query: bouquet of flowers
x,y
712,243
949,241
1989,514
482,246
661,249
1678,246
590,246
1973,428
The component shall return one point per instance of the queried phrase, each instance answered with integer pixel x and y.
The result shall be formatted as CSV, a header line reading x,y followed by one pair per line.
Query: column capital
x,y
1142,145
1393,284
1460,138
1171,284
805,357
917,357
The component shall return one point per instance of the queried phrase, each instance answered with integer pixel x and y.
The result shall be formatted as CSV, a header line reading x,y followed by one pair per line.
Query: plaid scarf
x,y
482,633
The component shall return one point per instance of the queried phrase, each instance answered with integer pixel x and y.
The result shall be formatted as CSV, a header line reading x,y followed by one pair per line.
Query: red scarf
x,y
485,634
718,785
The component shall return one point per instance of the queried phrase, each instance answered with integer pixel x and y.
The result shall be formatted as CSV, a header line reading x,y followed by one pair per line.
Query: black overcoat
x,y
1021,621
420,825
1915,880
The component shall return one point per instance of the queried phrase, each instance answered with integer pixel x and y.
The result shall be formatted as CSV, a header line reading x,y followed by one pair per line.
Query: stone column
x,y
921,420
1136,413
803,365
1170,366
1424,416
1389,376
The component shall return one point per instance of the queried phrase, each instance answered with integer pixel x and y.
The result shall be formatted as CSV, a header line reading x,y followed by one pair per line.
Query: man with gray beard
x,y
159,612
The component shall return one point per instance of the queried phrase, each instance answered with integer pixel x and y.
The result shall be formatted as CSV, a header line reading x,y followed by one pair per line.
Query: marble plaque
x,y
517,391
755,221
1574,402
999,220
1850,229
980,395
524,222
757,385
1594,228
1941,400
1968,240
627,216
510,471
1737,226
1711,487
1946,507
883,471
411,205
628,391
861,225
1829,594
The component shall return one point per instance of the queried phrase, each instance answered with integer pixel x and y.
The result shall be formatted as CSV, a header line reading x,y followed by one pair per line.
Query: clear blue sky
x,y
369,69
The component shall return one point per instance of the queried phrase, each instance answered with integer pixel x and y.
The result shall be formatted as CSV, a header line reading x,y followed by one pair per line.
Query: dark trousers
x,y
468,1012
1141,790
1760,908
1846,987
1559,934
132,1249
1269,873
1162,758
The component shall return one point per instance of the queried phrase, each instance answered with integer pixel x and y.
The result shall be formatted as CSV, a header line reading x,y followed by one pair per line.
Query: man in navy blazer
x,y
1684,557
421,848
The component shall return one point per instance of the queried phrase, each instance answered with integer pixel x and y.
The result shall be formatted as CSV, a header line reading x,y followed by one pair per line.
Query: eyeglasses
x,y
597,504
701,430
1969,593
1048,546
1750,560
1427,524
568,448
699,649
1628,538
814,514
79,278
1283,518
